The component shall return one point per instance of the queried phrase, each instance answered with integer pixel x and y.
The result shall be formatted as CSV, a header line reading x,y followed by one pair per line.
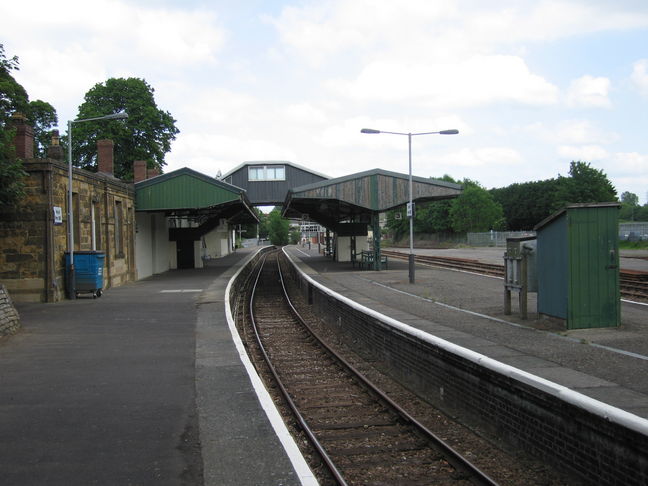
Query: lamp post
x,y
410,206
71,275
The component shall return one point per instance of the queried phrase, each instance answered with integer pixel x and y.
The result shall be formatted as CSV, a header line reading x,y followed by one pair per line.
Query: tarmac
x,y
142,386
148,384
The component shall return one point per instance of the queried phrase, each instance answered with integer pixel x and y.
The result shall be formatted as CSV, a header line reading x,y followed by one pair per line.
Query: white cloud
x,y
583,152
305,113
485,157
588,91
318,32
572,132
632,163
640,76
476,81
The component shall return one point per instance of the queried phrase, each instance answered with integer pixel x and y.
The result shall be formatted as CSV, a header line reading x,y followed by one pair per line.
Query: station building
x,y
180,219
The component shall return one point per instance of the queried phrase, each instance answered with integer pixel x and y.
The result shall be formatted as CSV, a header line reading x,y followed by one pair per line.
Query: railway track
x,y
632,284
361,435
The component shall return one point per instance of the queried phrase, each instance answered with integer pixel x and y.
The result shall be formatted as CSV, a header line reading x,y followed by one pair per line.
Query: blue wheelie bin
x,y
88,271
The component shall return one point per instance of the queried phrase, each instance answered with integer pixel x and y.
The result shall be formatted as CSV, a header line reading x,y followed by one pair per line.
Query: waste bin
x,y
88,271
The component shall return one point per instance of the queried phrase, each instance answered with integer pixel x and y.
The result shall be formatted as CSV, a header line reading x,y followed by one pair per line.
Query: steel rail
x,y
337,475
457,460
629,284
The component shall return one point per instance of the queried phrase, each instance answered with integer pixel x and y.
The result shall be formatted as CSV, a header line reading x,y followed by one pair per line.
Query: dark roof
x,y
272,162
358,197
560,212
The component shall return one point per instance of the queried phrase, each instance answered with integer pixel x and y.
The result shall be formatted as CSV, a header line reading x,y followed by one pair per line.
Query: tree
x,y
585,184
526,204
146,134
42,117
629,206
475,210
13,97
278,228
429,217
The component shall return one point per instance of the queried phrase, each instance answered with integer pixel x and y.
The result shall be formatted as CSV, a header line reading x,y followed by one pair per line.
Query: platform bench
x,y
367,260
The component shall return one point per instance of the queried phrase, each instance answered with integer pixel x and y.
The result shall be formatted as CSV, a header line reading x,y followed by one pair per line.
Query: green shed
x,y
578,265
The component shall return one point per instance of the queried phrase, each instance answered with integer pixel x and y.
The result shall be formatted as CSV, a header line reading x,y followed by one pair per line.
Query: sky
x,y
530,85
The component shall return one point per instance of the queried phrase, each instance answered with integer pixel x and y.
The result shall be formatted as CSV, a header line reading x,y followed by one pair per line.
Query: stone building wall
x,y
33,246
9,320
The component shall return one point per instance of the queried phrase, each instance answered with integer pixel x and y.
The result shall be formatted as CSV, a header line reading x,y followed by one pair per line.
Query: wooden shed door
x,y
594,269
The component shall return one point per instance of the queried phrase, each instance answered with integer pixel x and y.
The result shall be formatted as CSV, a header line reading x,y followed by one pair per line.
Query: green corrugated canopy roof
x,y
188,191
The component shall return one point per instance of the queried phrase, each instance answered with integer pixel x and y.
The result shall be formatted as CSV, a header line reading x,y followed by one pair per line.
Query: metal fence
x,y
633,231
494,238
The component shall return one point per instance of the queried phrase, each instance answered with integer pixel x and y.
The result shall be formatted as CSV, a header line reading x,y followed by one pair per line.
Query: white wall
x,y
151,244
343,250
216,242
198,261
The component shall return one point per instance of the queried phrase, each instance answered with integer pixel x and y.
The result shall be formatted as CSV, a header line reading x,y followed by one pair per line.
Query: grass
x,y
633,245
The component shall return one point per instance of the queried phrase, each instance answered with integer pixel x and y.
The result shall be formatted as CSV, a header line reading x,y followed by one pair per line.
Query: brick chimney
x,y
153,172
139,171
105,156
55,151
24,138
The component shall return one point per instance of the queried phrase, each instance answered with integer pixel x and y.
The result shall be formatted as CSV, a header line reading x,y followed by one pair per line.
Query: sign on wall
x,y
58,215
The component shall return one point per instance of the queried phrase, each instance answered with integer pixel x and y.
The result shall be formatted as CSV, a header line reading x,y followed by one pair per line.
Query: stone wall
x,y
9,320
32,246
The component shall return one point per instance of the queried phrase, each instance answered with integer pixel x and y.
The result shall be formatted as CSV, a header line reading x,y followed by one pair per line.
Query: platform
x,y
144,385
467,309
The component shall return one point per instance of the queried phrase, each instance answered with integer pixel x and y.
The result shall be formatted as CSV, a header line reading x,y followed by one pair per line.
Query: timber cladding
x,y
33,245
377,191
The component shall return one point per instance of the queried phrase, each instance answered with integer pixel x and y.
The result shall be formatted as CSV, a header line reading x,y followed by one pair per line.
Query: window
x,y
267,173
95,221
119,221
76,221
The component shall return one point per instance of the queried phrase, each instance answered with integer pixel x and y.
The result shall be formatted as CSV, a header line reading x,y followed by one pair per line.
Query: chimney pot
x,y
55,151
105,162
24,138
139,170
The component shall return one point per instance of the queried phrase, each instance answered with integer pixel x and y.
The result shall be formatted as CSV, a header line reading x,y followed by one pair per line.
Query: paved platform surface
x,y
142,386
610,365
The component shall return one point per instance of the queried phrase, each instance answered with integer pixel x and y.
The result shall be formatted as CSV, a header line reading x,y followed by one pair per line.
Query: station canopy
x,y
186,193
359,197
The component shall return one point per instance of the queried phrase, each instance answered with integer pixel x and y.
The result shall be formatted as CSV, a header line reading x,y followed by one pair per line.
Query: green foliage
x,y
42,117
633,245
585,184
429,217
278,228
12,182
526,204
630,199
630,208
146,134
475,210
294,236
13,97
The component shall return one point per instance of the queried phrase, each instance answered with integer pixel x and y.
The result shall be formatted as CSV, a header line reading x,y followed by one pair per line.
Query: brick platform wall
x,y
514,408
9,320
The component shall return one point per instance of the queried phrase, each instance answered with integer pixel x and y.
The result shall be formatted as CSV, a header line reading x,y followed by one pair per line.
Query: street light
x,y
410,207
71,275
